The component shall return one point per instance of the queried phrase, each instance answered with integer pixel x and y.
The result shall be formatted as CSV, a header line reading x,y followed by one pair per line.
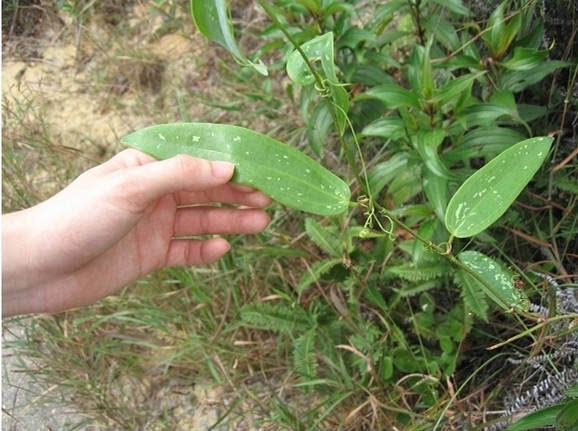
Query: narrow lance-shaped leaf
x,y
488,193
280,171
212,19
498,278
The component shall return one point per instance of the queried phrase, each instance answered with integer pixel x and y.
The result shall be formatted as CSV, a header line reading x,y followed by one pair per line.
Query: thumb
x,y
146,183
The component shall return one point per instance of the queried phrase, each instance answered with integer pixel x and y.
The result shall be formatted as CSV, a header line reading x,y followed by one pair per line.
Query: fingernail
x,y
223,169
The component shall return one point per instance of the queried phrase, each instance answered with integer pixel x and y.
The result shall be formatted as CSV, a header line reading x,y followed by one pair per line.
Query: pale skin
x,y
118,222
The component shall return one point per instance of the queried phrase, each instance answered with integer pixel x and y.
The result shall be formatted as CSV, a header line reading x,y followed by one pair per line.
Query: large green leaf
x,y
282,172
212,20
500,280
488,193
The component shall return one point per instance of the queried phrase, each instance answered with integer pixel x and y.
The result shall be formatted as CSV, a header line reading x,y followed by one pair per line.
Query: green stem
x,y
445,253
321,87
273,17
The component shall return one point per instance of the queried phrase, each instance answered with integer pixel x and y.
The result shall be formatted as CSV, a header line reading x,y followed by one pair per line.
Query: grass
x,y
181,346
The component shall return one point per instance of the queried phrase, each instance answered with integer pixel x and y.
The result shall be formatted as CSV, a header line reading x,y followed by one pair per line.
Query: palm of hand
x,y
117,222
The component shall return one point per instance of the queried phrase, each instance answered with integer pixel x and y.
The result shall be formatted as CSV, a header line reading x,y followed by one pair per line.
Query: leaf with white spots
x,y
485,196
500,281
278,170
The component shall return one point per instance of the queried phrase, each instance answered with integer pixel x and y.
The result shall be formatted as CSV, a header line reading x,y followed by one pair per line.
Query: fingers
x,y
139,186
229,193
211,220
192,252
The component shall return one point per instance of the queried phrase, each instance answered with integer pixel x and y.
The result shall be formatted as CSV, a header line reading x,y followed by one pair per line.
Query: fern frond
x,y
275,317
417,288
425,272
567,184
474,297
304,355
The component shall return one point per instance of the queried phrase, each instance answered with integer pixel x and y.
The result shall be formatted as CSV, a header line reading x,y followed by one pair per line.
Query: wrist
x,y
18,273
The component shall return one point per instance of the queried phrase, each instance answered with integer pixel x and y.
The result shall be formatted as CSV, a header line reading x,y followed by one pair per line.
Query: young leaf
x,y
499,279
323,237
212,19
280,171
488,193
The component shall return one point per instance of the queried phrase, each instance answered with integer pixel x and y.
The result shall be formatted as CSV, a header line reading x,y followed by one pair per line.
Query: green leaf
x,y
501,34
567,419
313,274
370,75
423,272
382,173
541,418
318,127
280,171
427,143
488,193
518,80
499,279
473,296
275,317
443,31
483,142
324,237
525,59
572,391
436,191
390,127
304,355
456,6
484,114
320,50
212,19
393,96
456,87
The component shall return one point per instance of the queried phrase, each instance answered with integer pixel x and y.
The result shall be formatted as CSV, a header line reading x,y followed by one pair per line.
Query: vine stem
x,y
320,86
445,253
271,14
365,183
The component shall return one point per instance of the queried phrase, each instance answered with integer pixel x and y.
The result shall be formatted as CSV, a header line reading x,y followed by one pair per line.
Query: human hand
x,y
116,223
